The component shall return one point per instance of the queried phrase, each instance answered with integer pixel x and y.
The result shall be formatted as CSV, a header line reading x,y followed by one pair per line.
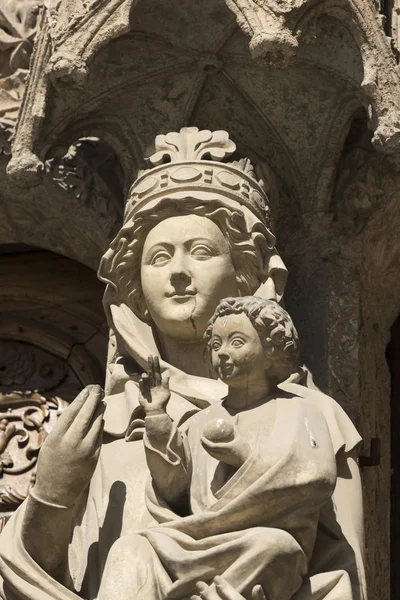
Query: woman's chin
x,y
184,329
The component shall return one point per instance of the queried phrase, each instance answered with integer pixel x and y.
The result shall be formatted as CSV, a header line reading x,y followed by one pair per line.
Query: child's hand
x,y
222,441
154,392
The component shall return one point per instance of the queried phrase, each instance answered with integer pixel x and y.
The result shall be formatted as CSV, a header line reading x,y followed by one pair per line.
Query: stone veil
x,y
197,228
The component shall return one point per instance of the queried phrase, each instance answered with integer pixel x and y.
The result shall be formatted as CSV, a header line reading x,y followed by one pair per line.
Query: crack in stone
x,y
193,323
191,318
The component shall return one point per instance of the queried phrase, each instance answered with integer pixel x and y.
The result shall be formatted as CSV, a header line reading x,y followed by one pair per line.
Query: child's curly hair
x,y
274,326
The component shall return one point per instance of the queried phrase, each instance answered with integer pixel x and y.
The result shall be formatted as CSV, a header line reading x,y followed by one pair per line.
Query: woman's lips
x,y
181,297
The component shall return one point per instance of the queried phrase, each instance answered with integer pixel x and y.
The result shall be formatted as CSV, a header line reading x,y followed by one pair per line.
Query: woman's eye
x,y
160,258
201,252
237,343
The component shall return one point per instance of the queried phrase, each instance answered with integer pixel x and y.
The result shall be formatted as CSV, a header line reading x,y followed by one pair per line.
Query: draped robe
x,y
257,526
113,507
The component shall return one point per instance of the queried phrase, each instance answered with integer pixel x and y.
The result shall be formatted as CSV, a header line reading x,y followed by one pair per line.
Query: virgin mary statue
x,y
196,230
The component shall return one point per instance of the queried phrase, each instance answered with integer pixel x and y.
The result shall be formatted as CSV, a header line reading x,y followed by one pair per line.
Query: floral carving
x,y
17,364
25,421
23,365
245,165
18,25
11,92
191,144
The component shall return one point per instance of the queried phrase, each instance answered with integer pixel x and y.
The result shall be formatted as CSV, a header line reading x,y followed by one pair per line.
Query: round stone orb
x,y
219,430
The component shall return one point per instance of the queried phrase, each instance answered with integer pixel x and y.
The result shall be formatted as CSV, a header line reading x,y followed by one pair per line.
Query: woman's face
x,y
186,270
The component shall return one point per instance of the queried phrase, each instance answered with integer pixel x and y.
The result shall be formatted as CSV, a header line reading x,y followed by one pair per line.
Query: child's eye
x,y
215,346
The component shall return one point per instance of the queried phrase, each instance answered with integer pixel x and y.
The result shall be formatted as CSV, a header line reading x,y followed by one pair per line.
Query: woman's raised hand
x,y
69,455
154,388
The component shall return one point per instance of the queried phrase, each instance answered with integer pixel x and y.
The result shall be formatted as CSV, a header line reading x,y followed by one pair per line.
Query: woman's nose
x,y
180,273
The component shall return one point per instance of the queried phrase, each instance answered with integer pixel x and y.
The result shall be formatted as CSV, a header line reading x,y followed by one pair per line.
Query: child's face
x,y
236,350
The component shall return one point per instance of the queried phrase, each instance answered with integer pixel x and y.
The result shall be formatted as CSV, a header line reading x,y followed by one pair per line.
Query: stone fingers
x,y
226,591
80,410
94,434
151,371
89,411
69,415
258,593
222,590
157,371
145,387
206,592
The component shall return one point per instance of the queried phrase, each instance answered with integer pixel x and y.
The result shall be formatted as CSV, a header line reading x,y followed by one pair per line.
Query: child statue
x,y
236,491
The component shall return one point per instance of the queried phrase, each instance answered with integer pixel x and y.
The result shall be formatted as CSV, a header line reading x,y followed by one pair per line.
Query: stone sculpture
x,y
196,230
225,486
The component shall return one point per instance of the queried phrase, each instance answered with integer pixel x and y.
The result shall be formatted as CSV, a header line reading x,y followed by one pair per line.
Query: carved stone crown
x,y
190,161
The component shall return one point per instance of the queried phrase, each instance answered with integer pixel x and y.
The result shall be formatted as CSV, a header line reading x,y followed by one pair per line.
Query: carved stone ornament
x,y
272,41
17,364
26,418
73,33
191,161
18,26
23,365
278,28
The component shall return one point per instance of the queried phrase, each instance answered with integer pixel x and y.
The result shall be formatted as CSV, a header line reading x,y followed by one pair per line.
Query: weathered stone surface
x,y
124,72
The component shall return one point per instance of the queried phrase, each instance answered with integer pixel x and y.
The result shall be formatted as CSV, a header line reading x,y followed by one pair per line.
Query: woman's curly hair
x,y
274,326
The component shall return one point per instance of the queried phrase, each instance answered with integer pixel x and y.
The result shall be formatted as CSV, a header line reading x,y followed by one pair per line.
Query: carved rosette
x,y
25,366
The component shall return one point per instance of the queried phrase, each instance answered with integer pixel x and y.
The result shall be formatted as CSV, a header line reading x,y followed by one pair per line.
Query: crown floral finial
x,y
191,144
194,163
